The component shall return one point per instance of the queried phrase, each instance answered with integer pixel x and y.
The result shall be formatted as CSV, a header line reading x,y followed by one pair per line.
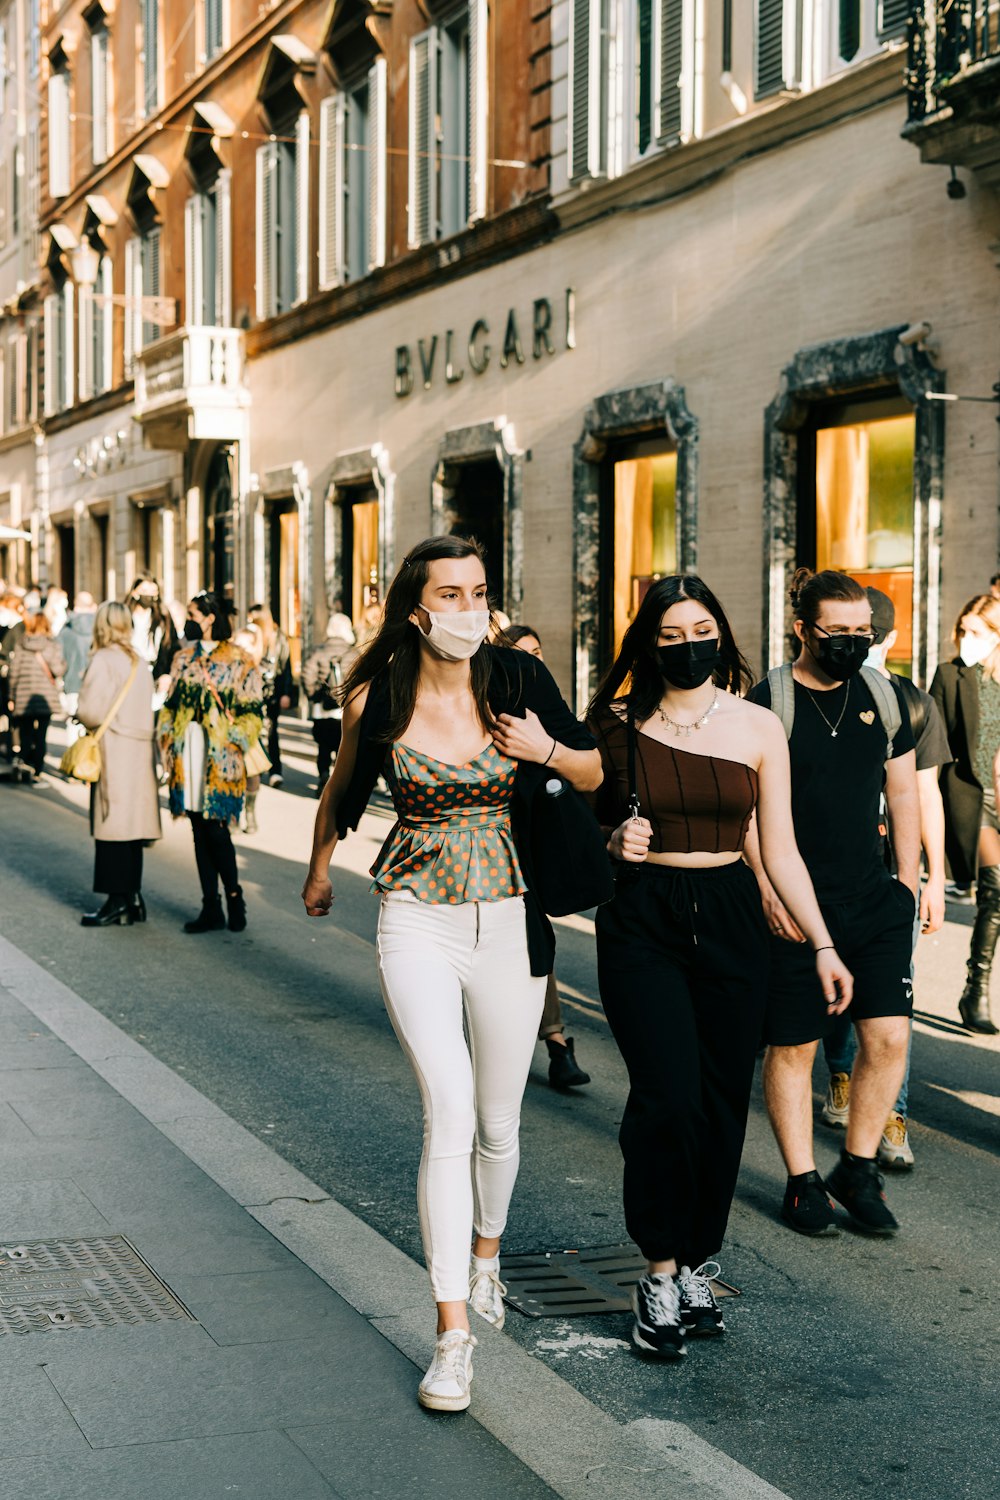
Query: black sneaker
x,y
700,1313
657,1328
806,1207
858,1186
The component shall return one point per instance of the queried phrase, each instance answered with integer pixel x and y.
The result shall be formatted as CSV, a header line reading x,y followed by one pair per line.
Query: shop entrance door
x,y
475,508
284,592
220,553
67,561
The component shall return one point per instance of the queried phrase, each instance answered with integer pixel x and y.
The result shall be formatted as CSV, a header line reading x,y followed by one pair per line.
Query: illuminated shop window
x,y
644,538
360,583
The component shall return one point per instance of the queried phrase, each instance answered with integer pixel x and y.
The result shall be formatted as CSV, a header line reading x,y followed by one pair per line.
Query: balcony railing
x,y
191,384
949,40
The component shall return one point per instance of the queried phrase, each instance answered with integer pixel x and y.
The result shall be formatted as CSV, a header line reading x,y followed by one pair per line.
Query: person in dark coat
x,y
279,684
967,692
37,665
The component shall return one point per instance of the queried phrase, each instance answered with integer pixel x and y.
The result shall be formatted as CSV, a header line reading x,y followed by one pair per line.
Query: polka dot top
x,y
453,839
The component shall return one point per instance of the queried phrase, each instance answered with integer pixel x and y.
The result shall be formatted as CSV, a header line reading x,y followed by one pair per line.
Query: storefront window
x,y
475,508
360,580
285,597
864,509
645,531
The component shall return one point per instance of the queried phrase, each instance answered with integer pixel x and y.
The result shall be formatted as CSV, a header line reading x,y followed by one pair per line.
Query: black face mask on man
x,y
687,664
192,630
841,656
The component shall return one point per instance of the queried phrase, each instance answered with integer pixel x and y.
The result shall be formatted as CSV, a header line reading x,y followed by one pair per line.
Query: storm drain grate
x,y
578,1283
92,1283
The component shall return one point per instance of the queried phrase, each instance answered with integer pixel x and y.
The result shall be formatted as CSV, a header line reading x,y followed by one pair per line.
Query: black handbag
x,y
570,864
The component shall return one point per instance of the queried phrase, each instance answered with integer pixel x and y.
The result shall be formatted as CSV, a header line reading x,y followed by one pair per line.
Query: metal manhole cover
x,y
578,1283
92,1283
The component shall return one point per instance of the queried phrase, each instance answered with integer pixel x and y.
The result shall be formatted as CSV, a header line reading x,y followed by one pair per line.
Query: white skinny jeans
x,y
436,965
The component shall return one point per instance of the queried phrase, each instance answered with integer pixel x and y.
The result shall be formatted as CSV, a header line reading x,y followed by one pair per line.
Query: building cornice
x,y
83,411
683,169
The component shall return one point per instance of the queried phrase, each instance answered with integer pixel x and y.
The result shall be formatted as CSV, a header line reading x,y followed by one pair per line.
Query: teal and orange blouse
x,y
453,840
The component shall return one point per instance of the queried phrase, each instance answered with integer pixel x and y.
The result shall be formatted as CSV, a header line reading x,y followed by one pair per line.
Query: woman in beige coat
x,y
124,806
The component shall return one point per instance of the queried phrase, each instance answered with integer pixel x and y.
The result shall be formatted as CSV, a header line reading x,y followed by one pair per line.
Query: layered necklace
x,y
688,729
832,727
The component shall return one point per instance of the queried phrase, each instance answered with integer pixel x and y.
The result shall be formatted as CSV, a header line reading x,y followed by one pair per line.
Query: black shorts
x,y
873,934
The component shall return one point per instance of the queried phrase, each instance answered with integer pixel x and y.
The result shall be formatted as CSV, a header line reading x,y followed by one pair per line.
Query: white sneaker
x,y
895,1151
837,1105
445,1387
486,1294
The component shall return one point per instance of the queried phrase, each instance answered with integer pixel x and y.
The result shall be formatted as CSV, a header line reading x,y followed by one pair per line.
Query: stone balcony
x,y
191,385
953,84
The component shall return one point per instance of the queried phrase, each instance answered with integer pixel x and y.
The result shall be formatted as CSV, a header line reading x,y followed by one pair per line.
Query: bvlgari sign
x,y
545,329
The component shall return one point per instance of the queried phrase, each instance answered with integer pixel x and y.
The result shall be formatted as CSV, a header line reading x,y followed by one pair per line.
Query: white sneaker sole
x,y
895,1161
640,1343
836,1119
430,1402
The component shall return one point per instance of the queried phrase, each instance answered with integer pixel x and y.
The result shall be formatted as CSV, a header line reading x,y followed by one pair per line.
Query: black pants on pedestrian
x,y
683,968
118,867
34,730
327,734
215,855
273,743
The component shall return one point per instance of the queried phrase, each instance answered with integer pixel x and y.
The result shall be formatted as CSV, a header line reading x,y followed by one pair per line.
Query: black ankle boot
x,y
138,906
564,1070
237,909
209,919
974,1006
115,909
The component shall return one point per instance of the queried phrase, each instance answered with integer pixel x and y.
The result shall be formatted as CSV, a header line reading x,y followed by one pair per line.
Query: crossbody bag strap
x,y
633,791
214,692
122,695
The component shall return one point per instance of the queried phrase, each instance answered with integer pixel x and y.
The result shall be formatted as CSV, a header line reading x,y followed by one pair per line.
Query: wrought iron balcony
x,y
191,384
953,83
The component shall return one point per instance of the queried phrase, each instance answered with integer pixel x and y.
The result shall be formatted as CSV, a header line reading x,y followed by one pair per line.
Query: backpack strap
x,y
782,688
887,703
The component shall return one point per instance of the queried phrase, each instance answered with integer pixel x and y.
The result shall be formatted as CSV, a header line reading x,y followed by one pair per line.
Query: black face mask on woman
x,y
841,656
192,630
687,664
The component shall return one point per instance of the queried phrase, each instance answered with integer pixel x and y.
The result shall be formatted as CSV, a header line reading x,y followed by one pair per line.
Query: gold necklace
x,y
687,729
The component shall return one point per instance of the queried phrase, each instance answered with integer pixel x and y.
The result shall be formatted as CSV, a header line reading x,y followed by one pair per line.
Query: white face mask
x,y
876,658
976,648
457,635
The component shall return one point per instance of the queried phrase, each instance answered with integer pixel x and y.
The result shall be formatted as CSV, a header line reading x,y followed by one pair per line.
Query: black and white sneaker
x,y
657,1328
701,1315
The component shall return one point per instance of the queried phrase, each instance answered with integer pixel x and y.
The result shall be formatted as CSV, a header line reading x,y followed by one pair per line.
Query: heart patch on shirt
x,y
867,716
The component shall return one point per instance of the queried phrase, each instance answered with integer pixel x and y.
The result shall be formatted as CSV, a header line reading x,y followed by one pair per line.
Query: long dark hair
x,y
637,663
209,604
395,646
160,614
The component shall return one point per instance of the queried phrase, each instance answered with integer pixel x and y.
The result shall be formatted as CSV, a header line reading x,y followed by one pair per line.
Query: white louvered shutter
x,y
378,109
192,261
478,107
267,162
106,312
669,119
58,135
213,28
99,94
224,249
331,191
302,207
86,343
423,140
49,322
69,370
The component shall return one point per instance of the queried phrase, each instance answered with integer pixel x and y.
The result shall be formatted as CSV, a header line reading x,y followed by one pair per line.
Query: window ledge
x,y
775,123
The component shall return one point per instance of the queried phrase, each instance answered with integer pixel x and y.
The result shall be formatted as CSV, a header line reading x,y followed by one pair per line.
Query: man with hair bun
x,y
846,737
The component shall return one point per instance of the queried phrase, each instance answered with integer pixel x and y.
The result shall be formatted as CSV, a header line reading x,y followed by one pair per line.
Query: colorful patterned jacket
x,y
229,732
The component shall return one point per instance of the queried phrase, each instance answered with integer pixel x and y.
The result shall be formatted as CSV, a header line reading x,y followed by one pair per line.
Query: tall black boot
x,y
974,1006
209,919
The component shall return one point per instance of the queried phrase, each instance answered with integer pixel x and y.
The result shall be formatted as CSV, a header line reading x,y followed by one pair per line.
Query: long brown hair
x,y
395,647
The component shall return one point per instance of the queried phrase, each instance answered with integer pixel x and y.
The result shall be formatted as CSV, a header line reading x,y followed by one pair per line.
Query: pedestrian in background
x,y
124,805
211,717
564,1070
463,730
967,691
11,630
250,640
37,665
322,677
682,950
153,632
279,685
76,639
932,752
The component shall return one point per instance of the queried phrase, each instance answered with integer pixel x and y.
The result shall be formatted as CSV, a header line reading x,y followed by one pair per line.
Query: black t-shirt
x,y
837,784
926,722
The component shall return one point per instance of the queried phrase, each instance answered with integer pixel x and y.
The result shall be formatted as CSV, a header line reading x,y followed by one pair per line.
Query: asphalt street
x,y
850,1367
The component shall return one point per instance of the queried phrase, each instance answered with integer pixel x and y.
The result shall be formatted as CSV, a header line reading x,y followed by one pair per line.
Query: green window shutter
x,y
587,90
768,60
849,29
668,124
423,152
892,18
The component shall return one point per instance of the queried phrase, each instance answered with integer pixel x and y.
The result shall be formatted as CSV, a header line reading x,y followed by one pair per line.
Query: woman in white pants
x,y
461,730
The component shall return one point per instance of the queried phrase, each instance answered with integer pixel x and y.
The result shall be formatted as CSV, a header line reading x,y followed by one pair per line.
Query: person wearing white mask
x,y
967,691
461,729
153,634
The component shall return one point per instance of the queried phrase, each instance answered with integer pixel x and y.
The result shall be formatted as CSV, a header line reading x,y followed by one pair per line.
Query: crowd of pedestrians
x,y
763,858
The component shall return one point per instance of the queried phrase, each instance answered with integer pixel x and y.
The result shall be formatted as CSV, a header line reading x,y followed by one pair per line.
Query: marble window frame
x,y
853,368
484,442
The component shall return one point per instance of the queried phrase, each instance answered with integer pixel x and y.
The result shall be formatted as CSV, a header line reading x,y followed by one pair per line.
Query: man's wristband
x,y
551,752
825,948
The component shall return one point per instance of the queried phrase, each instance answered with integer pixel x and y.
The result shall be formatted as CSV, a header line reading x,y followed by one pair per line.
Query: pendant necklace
x,y
832,727
687,729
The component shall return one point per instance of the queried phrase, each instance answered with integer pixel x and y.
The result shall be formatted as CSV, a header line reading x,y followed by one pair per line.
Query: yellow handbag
x,y
256,760
83,760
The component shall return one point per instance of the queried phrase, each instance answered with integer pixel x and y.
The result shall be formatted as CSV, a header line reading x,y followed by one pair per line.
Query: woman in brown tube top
x,y
682,948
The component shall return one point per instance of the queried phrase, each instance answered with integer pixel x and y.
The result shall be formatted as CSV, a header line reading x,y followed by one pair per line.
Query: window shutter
x,y
149,281
192,277
769,48
86,342
69,371
378,109
267,181
151,55
893,16
99,94
423,153
58,135
106,313
671,64
478,107
302,207
49,334
129,331
849,29
331,191
223,249
587,91
213,28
